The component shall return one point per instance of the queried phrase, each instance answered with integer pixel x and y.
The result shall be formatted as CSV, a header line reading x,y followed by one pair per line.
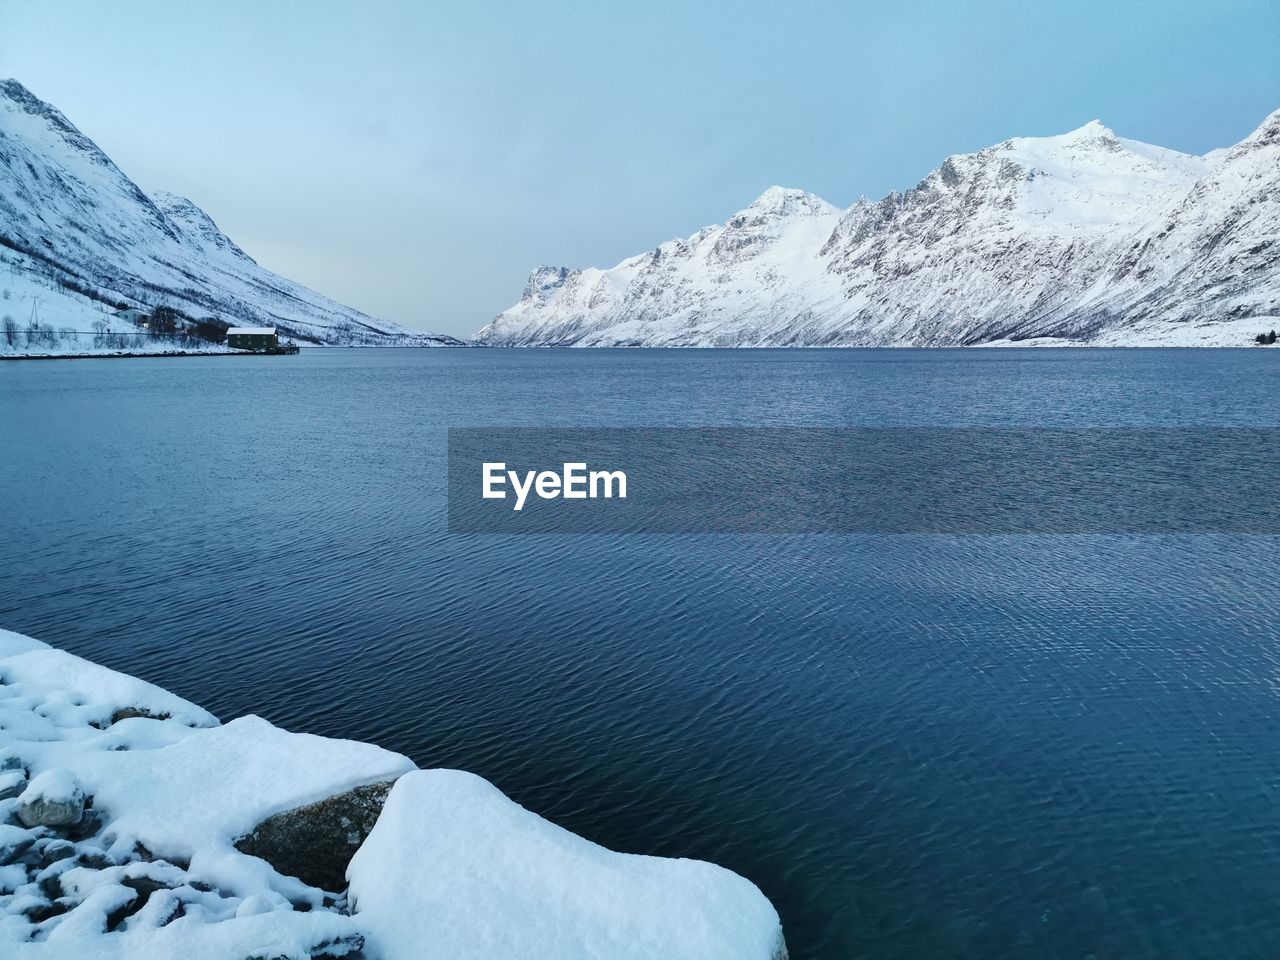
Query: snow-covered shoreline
x,y
125,813
124,354
80,241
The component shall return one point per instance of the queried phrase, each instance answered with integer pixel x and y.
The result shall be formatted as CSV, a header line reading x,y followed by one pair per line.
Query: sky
x,y
416,160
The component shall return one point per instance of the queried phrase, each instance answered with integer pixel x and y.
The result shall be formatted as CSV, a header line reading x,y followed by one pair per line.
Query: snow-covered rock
x,y
455,869
315,842
1083,237
238,775
79,239
54,798
151,868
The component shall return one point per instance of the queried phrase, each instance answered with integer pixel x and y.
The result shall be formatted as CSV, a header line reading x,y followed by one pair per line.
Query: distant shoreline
x,y
127,356
979,346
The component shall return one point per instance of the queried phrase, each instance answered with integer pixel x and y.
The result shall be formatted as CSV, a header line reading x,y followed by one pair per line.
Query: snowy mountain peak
x,y
1084,236
1266,135
15,98
75,226
1090,180
1095,147
1095,131
779,216
31,131
196,225
543,280
788,202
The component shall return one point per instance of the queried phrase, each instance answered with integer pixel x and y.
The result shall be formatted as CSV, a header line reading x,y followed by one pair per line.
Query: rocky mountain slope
x,y
79,239
1085,237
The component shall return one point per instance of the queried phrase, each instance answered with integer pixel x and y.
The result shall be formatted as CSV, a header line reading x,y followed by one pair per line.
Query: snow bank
x,y
454,864
121,805
149,870
192,800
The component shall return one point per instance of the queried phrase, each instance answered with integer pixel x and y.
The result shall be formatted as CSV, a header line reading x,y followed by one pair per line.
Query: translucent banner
x,y
864,480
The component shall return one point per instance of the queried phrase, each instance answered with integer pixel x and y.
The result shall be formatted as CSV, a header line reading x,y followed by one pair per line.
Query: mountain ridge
x,y
1083,237
81,240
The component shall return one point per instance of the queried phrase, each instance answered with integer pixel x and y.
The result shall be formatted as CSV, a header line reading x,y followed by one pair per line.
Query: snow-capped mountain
x,y
1083,237
757,266
75,228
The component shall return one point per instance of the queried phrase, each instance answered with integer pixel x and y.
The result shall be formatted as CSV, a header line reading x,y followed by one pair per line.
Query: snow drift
x,y
496,885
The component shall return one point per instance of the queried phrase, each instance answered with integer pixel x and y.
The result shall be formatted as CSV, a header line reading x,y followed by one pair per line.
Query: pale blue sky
x,y
416,160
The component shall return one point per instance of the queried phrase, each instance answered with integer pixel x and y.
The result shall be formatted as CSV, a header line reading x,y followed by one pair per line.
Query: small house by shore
x,y
132,315
253,338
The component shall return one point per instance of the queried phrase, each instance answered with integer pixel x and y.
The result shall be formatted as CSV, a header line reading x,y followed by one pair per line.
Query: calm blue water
x,y
918,746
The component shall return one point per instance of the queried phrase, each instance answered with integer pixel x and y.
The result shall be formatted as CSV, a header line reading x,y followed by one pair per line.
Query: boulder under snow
x,y
52,799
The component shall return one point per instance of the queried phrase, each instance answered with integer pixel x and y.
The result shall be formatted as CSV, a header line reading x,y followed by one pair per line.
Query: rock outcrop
x,y
53,799
315,842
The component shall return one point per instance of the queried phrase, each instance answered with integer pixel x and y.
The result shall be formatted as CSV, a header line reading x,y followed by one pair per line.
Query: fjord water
x,y
917,746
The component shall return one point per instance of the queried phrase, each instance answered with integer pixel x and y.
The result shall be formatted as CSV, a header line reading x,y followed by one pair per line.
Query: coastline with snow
x,y
125,813
82,239
1081,239
119,355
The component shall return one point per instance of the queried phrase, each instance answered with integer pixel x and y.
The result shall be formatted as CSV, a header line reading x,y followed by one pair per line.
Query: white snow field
x,y
79,235
120,804
504,883
70,324
1077,239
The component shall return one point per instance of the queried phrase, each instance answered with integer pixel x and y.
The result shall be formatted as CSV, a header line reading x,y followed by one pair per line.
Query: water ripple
x,y
919,747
